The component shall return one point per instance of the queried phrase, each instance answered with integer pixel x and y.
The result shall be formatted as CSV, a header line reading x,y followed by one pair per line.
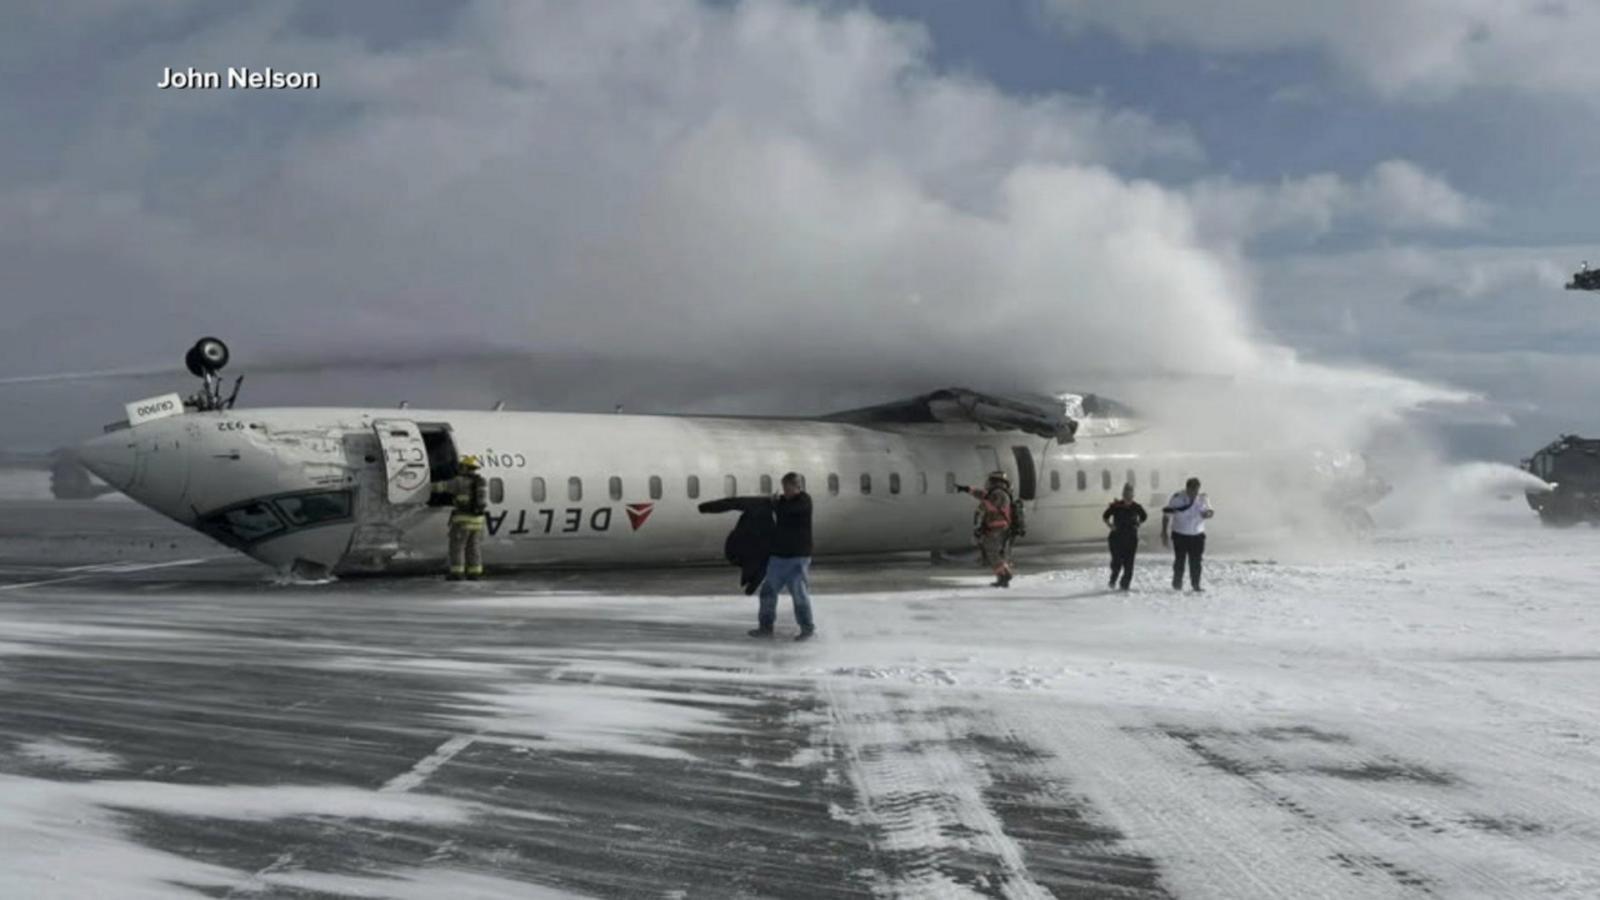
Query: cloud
x,y
1494,320
1411,296
1396,196
792,197
1412,49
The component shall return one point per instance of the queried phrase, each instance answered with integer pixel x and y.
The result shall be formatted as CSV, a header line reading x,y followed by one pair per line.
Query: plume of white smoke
x,y
791,197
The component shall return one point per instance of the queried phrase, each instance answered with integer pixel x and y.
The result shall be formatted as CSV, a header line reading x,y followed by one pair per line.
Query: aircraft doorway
x,y
1027,478
440,446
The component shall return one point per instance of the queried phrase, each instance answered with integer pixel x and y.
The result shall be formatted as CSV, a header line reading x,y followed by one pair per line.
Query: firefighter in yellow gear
x,y
995,524
468,497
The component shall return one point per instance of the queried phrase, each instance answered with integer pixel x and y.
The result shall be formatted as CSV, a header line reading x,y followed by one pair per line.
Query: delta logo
x,y
639,513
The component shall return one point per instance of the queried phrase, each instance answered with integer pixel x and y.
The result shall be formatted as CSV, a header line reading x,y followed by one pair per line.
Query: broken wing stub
x,y
1050,418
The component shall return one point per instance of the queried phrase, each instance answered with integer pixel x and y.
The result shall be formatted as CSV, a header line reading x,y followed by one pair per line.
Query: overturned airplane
x,y
320,490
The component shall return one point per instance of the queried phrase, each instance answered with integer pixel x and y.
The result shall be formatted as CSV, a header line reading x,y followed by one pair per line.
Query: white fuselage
x,y
330,488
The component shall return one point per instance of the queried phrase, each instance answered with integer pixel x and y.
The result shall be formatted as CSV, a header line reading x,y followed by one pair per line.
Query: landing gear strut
x,y
204,360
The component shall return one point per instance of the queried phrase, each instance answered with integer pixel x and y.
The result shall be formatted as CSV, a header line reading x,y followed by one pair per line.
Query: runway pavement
x,y
1407,718
227,735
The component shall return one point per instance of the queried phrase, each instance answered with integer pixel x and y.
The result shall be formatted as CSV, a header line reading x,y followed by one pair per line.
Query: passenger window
x,y
538,490
1105,479
694,487
655,487
949,482
1133,478
730,486
866,483
497,491
616,487
1155,480
894,482
1055,479
833,484
922,482
1083,481
309,509
766,484
574,489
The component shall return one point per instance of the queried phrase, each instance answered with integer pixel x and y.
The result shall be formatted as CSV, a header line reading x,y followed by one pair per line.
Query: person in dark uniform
x,y
1124,516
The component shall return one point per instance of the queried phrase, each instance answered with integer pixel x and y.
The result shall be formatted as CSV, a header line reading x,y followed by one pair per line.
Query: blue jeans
x,y
794,573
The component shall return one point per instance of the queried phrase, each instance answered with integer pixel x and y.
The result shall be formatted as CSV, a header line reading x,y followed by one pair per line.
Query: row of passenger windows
x,y
730,485
1131,477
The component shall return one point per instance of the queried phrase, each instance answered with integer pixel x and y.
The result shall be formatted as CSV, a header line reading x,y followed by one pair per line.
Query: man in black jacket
x,y
774,535
790,563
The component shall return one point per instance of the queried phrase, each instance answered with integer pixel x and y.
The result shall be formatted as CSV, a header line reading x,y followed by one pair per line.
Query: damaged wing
x,y
1055,418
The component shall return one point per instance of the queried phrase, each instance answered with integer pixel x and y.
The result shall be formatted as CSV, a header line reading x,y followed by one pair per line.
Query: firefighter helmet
x,y
469,462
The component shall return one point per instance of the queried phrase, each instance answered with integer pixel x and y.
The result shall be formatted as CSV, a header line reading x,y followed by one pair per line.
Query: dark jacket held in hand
x,y
750,542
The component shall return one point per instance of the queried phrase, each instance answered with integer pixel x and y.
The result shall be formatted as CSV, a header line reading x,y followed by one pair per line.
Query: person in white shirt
x,y
1187,513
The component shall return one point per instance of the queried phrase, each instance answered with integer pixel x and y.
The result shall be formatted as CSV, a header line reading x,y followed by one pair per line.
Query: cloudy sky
x,y
784,206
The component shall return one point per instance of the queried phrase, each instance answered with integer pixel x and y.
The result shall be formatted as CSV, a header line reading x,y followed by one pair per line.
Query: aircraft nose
x,y
114,457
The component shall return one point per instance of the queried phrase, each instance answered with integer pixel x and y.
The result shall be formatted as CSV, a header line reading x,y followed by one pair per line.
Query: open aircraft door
x,y
405,461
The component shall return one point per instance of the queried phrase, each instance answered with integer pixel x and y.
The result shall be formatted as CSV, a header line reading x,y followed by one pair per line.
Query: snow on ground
x,y
77,756
1422,718
1418,718
1292,731
1415,717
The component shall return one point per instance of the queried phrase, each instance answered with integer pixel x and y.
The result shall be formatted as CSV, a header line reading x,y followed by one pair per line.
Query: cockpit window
x,y
310,509
258,520
245,524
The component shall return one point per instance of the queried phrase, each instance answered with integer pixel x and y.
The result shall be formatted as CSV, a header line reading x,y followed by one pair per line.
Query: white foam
x,y
66,839
418,884
70,754
594,717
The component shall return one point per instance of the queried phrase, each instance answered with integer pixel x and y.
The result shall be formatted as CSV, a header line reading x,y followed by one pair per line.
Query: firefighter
x,y
468,497
995,524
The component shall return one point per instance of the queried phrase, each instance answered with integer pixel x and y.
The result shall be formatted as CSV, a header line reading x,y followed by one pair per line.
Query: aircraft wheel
x,y
207,355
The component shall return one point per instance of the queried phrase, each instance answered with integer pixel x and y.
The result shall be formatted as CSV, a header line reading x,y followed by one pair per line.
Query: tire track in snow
x,y
959,807
1351,798
938,836
1363,805
1215,833
1522,820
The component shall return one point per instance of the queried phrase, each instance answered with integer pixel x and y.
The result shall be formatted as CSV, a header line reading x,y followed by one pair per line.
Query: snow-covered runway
x,y
1416,721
